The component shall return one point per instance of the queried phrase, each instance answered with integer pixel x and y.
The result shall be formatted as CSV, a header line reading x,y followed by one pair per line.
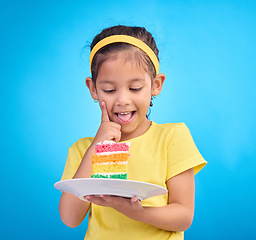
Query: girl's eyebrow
x,y
131,81
137,80
105,81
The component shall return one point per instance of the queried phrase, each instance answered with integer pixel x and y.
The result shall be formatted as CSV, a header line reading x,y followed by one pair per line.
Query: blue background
x,y
207,51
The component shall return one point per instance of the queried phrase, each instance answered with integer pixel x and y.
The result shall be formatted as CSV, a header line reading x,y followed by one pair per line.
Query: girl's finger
x,y
116,138
134,200
104,116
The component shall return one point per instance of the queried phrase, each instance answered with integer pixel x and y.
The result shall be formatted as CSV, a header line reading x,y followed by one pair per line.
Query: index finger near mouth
x,y
104,116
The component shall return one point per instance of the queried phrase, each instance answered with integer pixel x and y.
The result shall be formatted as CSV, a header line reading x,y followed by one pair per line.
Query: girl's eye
x,y
108,90
136,89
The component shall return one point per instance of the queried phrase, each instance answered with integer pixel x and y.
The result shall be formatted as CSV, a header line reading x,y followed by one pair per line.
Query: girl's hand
x,y
108,130
131,208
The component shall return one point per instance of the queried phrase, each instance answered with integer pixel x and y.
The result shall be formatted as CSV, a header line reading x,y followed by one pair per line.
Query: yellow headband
x,y
126,39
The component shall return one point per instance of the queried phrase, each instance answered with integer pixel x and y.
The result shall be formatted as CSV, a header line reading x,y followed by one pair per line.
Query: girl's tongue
x,y
125,117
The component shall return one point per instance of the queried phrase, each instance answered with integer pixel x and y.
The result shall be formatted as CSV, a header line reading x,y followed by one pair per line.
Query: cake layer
x,y
110,158
104,168
114,176
111,146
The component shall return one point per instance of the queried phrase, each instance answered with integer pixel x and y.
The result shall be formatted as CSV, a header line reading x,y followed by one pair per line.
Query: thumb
x,y
135,200
104,116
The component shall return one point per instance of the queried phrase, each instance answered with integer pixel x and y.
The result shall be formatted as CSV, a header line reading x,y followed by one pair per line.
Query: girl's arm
x,y
176,216
72,209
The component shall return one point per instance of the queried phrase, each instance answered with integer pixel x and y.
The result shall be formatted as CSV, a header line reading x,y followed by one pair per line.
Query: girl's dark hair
x,y
134,53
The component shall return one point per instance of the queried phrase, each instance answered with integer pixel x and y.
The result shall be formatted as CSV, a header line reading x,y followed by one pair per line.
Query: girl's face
x,y
126,88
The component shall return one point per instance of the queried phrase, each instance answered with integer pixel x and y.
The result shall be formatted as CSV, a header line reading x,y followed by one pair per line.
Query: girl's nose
x,y
123,98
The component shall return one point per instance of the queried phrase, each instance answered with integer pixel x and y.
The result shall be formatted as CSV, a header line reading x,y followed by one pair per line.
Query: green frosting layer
x,y
115,176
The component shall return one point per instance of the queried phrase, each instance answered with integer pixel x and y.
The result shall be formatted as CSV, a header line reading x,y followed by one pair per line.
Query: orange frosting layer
x,y
110,158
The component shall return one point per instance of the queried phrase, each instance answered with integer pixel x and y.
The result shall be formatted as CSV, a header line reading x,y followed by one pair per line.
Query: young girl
x,y
125,79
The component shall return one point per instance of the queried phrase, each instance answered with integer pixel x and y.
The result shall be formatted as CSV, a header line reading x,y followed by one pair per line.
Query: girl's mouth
x,y
125,117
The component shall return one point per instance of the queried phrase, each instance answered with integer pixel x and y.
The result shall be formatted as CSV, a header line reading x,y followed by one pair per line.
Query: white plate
x,y
117,187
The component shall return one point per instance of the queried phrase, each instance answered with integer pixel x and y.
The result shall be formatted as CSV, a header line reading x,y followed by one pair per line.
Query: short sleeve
x,y
182,152
75,156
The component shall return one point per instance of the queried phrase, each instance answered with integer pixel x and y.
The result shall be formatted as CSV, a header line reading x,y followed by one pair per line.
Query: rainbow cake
x,y
110,160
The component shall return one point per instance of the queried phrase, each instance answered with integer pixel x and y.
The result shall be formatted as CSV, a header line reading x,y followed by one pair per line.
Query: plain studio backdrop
x,y
207,51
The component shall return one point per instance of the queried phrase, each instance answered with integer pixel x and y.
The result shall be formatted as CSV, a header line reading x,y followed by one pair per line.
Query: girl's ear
x,y
92,88
158,84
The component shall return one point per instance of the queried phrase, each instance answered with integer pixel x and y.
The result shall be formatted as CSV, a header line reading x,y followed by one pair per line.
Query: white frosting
x,y
110,153
105,142
112,142
111,163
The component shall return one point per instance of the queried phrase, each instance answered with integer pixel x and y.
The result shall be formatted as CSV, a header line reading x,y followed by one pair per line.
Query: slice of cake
x,y
110,160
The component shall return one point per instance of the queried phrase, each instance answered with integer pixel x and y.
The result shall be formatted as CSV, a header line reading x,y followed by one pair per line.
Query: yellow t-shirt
x,y
164,151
